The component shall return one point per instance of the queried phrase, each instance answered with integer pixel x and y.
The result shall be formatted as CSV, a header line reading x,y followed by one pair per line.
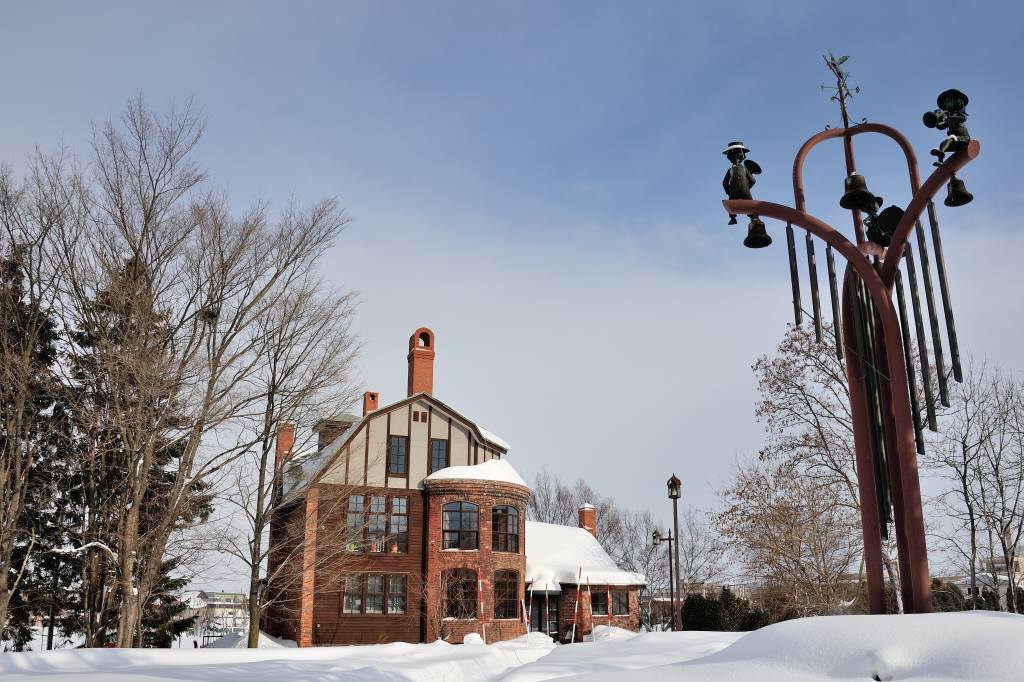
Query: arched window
x,y
459,587
505,529
460,526
506,594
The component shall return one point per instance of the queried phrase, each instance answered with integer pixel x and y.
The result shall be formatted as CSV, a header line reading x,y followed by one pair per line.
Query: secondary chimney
x,y
370,400
588,519
329,428
421,362
285,444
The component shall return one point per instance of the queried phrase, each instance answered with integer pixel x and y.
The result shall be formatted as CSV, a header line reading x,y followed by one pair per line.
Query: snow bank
x,y
606,633
554,555
977,645
624,650
241,641
491,470
435,662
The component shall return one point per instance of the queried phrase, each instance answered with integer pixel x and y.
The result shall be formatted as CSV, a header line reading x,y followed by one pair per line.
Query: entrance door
x,y
544,619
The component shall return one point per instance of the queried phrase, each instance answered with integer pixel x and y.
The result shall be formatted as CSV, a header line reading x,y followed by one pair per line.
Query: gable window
x,y
505,529
460,526
438,454
620,603
459,588
599,603
399,543
506,594
398,455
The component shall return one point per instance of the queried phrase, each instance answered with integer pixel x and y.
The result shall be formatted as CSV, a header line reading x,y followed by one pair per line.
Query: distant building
x,y
428,524
219,610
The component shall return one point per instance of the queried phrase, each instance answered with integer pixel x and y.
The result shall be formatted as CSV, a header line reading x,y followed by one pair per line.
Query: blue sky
x,y
539,182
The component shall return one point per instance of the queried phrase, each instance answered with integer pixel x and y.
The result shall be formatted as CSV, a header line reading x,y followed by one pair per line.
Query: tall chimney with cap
x,y
370,402
285,444
421,362
588,519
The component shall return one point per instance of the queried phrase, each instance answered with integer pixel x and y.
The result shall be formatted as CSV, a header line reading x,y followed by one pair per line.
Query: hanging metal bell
x,y
857,196
757,235
956,193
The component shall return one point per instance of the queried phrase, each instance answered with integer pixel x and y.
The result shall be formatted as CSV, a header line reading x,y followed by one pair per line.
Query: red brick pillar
x,y
306,625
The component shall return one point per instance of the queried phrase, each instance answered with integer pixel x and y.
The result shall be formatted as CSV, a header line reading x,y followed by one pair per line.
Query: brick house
x,y
408,524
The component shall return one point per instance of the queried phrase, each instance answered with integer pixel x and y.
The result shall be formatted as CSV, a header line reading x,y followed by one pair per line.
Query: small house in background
x,y
409,524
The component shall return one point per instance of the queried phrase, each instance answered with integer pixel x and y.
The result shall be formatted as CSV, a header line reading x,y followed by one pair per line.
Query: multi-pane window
x,y
506,594
620,603
438,454
376,523
399,543
372,593
396,594
354,524
505,529
599,603
460,526
375,593
460,592
398,455
372,526
353,594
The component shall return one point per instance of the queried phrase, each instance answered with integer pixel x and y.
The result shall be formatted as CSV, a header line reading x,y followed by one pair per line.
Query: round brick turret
x,y
485,561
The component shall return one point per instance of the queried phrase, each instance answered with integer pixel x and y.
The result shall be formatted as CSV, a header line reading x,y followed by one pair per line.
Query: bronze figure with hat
x,y
951,116
737,183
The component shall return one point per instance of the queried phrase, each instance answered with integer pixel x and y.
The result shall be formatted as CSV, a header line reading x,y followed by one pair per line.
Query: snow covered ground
x,y
978,645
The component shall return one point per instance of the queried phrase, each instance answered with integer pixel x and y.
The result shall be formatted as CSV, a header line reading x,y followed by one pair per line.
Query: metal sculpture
x,y
873,335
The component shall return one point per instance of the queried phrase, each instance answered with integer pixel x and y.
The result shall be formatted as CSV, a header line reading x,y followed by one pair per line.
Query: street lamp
x,y
657,537
674,492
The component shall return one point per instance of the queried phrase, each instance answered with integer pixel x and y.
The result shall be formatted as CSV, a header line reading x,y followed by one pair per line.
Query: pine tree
x,y
163,616
33,429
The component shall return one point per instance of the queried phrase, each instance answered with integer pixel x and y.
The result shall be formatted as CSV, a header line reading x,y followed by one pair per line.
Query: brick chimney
x,y
329,428
588,519
285,444
421,362
370,401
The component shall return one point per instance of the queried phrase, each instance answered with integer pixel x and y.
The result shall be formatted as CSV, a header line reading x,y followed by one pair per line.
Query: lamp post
x,y
657,537
674,491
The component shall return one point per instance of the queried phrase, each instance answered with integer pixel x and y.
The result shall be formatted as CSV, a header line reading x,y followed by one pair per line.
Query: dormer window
x,y
398,455
438,454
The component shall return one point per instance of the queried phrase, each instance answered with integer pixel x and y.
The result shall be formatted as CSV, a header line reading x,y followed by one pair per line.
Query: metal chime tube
x,y
929,293
915,402
794,275
947,305
833,290
863,344
922,340
812,270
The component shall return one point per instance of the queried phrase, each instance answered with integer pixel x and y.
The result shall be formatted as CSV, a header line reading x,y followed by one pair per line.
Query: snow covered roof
x,y
487,435
556,554
491,470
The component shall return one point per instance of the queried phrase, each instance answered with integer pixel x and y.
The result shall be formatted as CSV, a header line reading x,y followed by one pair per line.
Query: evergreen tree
x,y
163,615
125,313
725,613
33,429
947,596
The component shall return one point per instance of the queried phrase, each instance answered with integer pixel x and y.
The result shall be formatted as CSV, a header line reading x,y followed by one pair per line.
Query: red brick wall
x,y
484,561
585,620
